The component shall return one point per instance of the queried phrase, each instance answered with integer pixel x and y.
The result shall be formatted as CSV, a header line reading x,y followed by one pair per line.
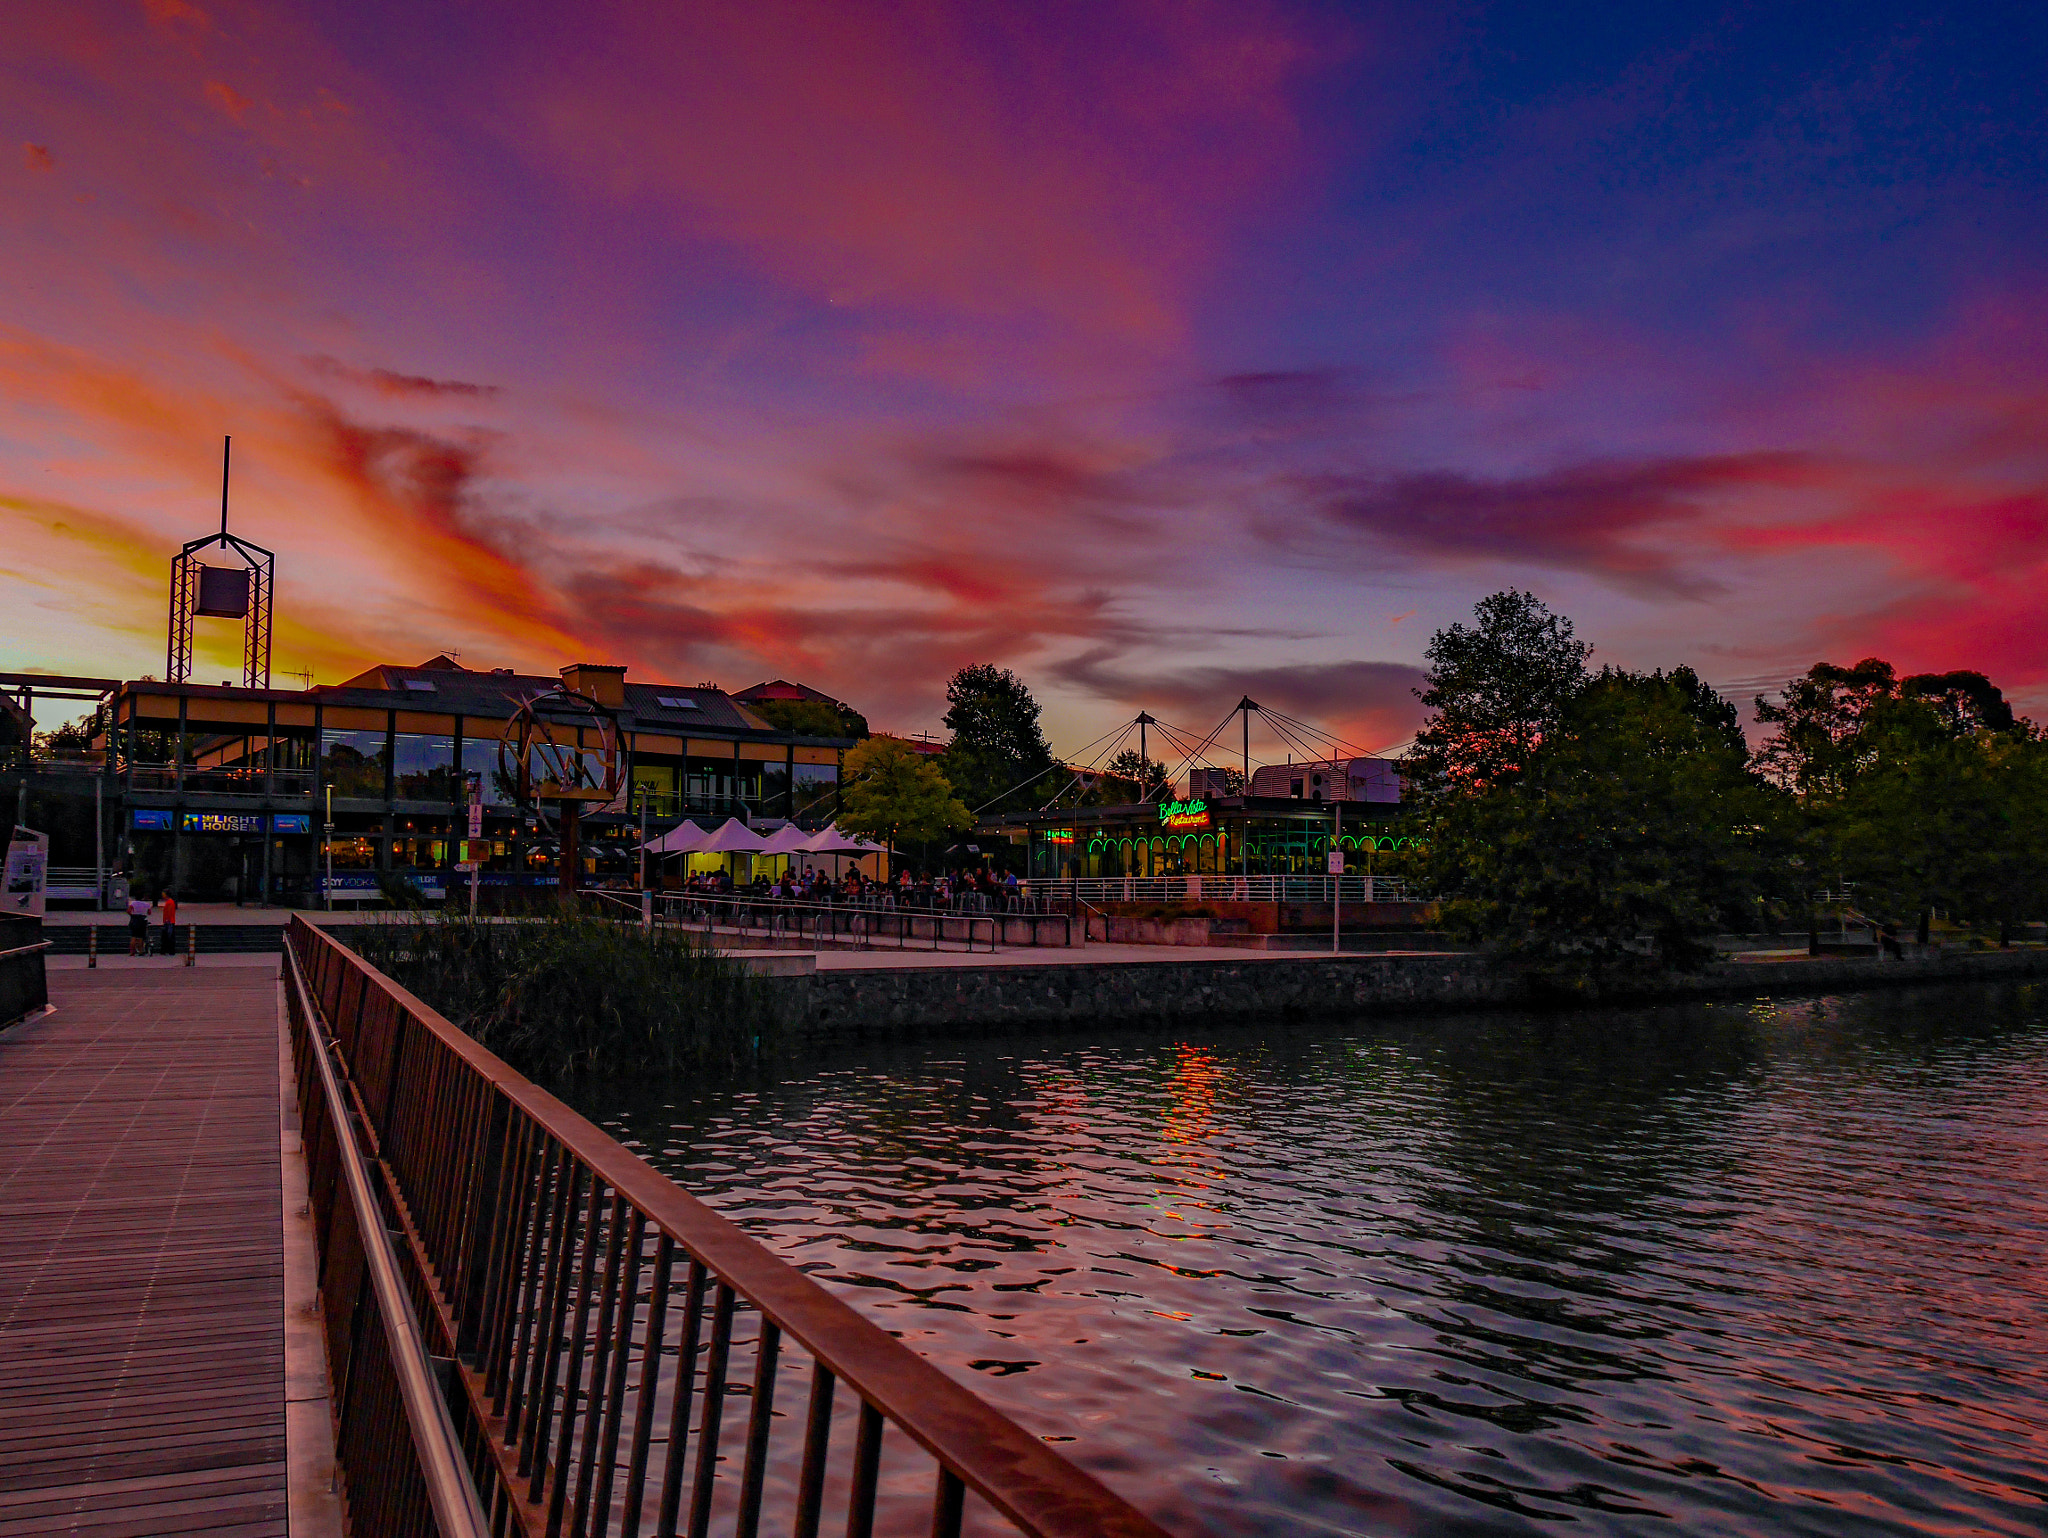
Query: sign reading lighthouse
x,y
1184,816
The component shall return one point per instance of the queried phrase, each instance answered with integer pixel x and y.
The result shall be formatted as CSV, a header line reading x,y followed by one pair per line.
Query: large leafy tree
x,y
998,756
1631,827
1496,689
812,718
1920,793
895,793
1819,742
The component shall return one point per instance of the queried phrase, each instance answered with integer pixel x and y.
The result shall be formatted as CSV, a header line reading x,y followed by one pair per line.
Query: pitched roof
x,y
439,684
782,689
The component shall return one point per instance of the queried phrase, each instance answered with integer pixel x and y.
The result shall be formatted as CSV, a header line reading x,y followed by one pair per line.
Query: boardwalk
x,y
141,1269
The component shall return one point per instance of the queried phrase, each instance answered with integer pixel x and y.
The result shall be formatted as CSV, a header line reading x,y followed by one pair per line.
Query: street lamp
x,y
646,789
327,847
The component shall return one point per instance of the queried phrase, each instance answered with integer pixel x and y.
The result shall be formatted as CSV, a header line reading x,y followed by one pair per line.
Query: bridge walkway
x,y
142,1382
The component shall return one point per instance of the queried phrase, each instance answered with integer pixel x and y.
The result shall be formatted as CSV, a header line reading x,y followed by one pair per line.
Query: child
x,y
170,922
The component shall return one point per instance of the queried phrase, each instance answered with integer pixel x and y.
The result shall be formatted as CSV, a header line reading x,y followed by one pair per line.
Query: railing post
x,y
493,1200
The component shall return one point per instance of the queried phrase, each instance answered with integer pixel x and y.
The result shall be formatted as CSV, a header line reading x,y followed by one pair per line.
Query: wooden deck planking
x,y
141,1260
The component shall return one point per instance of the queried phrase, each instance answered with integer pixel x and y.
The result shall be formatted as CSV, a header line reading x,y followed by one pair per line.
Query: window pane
x,y
353,763
425,768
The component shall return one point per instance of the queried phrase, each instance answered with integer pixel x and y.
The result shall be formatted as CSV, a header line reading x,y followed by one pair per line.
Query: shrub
x,y
567,993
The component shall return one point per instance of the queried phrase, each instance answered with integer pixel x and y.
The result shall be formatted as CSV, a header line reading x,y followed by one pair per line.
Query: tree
x,y
1146,777
1813,748
72,739
1966,701
1920,793
998,755
812,718
1632,826
1495,691
895,793
1941,816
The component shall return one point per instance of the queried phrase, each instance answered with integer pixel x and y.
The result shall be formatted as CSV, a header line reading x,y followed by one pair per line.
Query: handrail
x,y
548,1256
758,909
1227,886
26,950
457,1511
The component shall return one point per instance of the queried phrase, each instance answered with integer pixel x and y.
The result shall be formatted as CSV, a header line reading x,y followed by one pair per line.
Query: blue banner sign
x,y
292,822
220,822
143,821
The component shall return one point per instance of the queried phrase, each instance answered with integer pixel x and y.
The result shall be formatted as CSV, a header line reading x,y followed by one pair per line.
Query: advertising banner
x,y
220,822
27,873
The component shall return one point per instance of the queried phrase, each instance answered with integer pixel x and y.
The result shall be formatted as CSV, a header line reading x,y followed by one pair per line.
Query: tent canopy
x,y
787,839
732,837
832,841
683,838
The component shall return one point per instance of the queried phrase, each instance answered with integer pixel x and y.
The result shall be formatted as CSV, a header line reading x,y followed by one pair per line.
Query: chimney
x,y
601,681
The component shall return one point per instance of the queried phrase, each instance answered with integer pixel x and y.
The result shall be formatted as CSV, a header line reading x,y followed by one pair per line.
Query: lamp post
x,y
327,846
1336,864
646,890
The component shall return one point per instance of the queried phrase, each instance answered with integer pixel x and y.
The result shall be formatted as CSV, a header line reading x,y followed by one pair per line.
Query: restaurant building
x,y
1353,801
227,792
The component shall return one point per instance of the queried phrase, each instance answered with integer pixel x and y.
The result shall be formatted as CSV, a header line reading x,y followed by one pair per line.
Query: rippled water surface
x,y
1714,1269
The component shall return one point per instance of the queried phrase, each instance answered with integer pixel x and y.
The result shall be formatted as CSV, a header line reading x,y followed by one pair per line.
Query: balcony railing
x,y
238,781
599,1323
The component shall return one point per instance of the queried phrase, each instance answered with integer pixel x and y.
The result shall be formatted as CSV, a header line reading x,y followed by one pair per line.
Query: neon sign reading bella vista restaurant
x,y
1183,816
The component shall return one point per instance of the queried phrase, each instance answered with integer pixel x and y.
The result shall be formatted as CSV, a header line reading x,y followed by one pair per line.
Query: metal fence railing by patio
x,y
1225,888
865,924
615,1350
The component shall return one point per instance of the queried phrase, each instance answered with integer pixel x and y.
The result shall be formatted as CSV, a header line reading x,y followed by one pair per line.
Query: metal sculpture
x,y
222,592
562,747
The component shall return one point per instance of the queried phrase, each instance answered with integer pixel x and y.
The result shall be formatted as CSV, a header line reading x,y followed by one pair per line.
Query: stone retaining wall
x,y
881,1004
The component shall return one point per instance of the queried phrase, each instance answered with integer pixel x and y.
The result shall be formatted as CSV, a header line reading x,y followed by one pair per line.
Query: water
x,y
1710,1269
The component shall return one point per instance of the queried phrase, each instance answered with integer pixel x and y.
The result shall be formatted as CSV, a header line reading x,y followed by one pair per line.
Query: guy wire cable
x,y
1032,779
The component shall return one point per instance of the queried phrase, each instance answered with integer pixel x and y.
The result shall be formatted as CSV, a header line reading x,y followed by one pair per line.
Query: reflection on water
x,y
1711,1269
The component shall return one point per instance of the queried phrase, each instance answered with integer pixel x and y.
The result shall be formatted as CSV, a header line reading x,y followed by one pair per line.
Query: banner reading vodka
x,y
27,874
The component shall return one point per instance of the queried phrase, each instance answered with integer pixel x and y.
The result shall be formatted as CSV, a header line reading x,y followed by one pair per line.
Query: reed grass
x,y
564,993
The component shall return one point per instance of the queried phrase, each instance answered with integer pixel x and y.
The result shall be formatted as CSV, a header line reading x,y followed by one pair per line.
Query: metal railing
x,y
24,980
68,883
864,924
600,1321
402,1462
1225,888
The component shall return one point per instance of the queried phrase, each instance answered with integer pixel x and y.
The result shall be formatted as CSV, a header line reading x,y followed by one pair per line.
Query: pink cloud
x,y
1078,168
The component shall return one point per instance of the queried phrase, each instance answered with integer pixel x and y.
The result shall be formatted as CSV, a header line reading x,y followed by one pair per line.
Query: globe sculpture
x,y
560,754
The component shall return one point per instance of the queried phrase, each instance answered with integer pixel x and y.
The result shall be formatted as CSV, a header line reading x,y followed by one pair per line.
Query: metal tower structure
x,y
222,592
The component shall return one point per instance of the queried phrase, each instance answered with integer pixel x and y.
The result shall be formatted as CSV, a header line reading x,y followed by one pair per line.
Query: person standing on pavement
x,y
170,922
138,924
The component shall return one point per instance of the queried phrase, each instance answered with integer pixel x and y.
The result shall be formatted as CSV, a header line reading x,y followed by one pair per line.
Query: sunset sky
x,y
1160,351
